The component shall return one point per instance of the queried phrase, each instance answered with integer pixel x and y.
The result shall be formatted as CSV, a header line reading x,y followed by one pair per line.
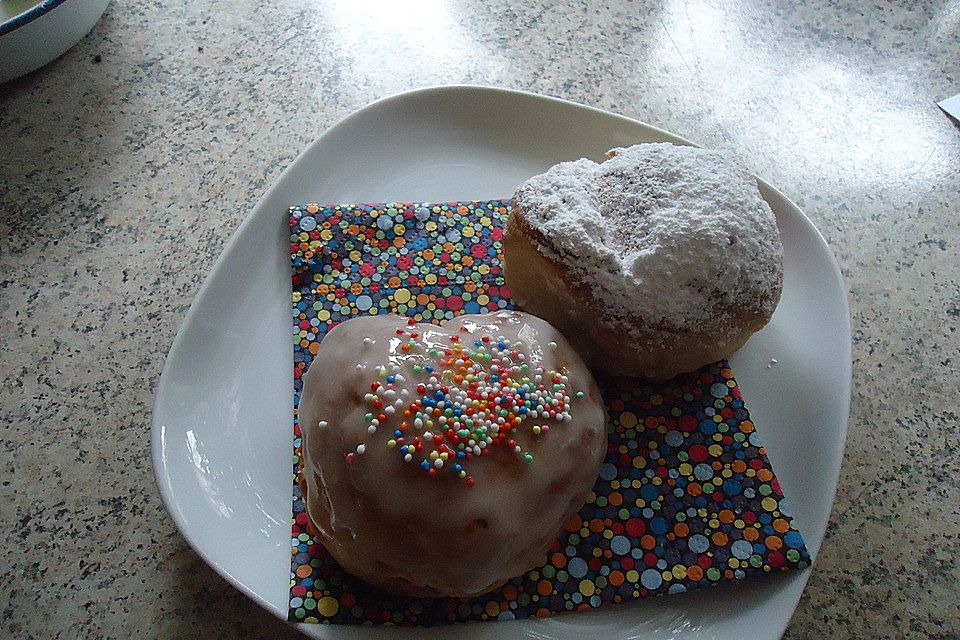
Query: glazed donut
x,y
655,262
442,461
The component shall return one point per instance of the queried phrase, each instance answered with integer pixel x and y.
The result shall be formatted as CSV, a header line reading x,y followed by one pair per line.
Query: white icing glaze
x,y
389,522
659,234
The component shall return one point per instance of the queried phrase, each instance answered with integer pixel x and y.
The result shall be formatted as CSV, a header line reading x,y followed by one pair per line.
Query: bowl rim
x,y
40,8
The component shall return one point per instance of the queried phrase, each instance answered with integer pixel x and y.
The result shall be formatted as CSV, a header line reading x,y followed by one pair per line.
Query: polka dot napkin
x,y
686,497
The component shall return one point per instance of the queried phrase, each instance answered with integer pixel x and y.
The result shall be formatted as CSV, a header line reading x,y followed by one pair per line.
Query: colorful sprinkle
x,y
481,396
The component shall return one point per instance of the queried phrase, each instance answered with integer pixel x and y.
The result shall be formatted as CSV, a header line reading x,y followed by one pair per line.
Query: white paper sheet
x,y
951,106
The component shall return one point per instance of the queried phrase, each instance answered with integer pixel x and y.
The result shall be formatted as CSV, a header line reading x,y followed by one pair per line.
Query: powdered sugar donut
x,y
442,461
657,261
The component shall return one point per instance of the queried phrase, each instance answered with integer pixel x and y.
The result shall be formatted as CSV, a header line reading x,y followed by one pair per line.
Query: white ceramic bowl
x,y
43,32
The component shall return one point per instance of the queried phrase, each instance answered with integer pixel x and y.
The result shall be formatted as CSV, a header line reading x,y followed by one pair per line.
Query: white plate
x,y
222,418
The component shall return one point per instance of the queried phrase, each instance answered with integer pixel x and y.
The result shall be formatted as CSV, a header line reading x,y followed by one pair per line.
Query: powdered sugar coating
x,y
660,234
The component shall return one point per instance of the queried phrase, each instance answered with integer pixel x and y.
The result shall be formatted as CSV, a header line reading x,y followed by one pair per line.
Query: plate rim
x,y
157,431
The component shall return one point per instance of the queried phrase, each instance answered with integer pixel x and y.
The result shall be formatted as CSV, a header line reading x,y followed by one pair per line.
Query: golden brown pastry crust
x,y
545,288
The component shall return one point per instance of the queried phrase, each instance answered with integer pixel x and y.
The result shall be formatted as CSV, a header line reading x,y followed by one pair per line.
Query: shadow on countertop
x,y
215,609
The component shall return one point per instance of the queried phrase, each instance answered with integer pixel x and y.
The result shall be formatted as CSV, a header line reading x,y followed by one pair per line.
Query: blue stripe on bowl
x,y
29,15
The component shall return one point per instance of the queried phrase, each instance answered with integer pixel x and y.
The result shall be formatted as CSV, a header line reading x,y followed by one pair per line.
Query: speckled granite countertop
x,y
122,163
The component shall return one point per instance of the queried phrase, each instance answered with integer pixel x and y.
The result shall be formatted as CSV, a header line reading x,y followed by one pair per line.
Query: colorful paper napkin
x,y
685,498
